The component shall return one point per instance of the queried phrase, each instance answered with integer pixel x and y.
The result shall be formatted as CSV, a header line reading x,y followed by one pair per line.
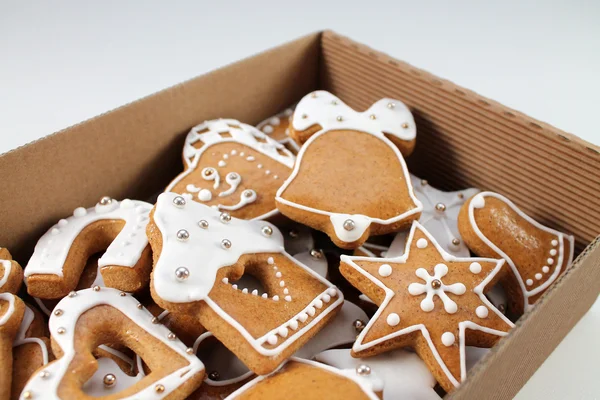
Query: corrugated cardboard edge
x,y
509,365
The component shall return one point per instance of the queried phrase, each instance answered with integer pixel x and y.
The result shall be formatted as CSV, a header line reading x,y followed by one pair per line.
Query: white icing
x,y
205,195
448,338
393,319
475,267
427,304
368,384
422,243
246,238
481,311
266,127
338,331
404,374
443,226
10,298
73,308
7,268
21,338
51,249
385,270
233,179
479,201
361,345
320,109
244,200
388,123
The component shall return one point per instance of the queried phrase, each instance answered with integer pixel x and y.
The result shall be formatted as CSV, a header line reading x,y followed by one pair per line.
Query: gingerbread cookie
x,y
493,226
325,382
233,167
30,349
350,180
110,378
439,217
86,317
61,254
371,250
277,127
11,273
404,374
200,254
12,310
429,300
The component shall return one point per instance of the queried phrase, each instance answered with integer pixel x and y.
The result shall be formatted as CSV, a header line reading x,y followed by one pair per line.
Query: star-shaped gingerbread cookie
x,y
429,300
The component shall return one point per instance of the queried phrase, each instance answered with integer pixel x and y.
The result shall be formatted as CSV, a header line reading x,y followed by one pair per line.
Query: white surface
x,y
63,62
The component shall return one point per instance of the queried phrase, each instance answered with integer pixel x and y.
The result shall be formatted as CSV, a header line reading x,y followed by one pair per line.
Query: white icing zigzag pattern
x,y
52,249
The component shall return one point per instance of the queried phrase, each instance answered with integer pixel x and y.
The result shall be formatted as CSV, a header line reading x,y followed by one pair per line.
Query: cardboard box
x,y
463,140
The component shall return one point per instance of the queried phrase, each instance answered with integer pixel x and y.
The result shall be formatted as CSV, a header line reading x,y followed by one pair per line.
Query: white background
x,y
63,62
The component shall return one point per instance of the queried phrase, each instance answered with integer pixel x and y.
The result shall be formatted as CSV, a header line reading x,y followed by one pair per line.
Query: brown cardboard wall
x,y
466,140
135,150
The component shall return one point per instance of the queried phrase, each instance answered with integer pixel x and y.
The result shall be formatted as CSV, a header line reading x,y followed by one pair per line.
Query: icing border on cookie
x,y
241,134
20,338
75,306
53,247
244,237
362,222
265,127
478,201
10,298
389,294
367,385
7,269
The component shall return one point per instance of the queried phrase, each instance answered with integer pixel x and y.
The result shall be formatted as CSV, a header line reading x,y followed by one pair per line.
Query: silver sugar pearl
x,y
225,217
179,201
358,325
318,254
267,230
349,225
339,118
72,294
455,241
183,235
109,380
363,370
214,376
226,243
248,193
105,200
203,224
441,207
182,273
293,233
391,105
44,374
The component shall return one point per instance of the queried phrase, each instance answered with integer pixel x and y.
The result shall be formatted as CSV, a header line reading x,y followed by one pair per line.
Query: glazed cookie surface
x,y
350,179
429,300
493,226
205,265
116,228
233,167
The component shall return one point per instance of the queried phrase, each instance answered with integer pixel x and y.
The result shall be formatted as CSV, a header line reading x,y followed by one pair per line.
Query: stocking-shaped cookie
x,y
89,317
493,226
325,383
11,315
277,127
439,217
61,254
233,167
429,300
350,179
200,254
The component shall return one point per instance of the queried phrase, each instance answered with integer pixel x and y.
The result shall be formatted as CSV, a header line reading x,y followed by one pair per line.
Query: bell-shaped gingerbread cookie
x,y
85,318
493,226
233,167
236,277
350,179
61,254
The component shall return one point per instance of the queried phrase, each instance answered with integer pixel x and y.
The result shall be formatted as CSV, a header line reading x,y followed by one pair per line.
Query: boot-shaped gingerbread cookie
x,y
350,179
233,167
200,255
493,226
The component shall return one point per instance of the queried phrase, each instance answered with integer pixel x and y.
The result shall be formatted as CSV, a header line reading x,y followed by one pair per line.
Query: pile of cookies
x,y
297,259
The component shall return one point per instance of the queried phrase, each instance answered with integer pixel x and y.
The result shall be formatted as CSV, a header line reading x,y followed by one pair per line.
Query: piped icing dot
x,y
385,270
422,243
272,339
205,195
554,242
63,222
529,282
448,339
550,261
553,252
481,311
270,260
475,267
545,269
267,129
393,319
79,212
538,276
478,201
